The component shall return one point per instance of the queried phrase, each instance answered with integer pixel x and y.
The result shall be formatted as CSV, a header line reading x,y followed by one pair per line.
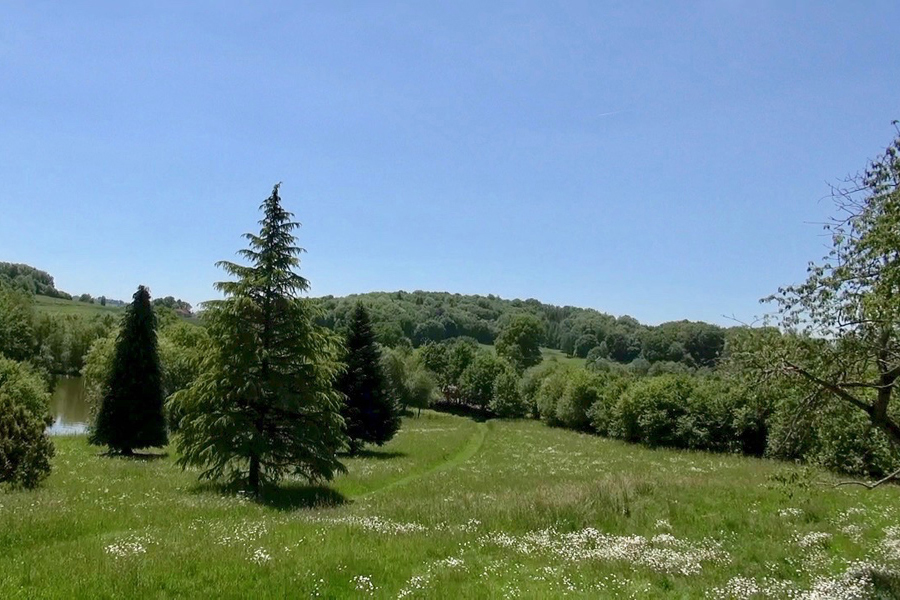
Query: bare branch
x,y
868,485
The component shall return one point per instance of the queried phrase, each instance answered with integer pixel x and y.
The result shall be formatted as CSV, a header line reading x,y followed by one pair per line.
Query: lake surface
x,y
68,407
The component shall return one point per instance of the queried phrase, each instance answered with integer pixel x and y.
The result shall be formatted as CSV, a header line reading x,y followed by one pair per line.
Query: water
x,y
69,408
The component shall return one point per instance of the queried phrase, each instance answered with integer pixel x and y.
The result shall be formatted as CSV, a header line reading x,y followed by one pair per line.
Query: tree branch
x,y
834,389
868,485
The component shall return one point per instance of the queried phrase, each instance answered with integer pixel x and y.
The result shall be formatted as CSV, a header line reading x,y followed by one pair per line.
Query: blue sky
x,y
660,159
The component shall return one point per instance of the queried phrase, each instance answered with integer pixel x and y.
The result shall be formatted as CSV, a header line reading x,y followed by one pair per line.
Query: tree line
x,y
30,280
418,318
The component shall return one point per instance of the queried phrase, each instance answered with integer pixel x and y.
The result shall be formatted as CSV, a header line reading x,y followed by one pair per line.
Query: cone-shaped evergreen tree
x,y
264,403
131,415
370,414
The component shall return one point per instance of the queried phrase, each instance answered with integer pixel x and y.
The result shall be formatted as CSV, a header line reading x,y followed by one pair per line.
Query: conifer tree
x,y
370,414
130,414
264,403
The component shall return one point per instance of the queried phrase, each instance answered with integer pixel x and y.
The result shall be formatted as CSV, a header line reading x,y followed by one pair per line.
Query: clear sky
x,y
658,159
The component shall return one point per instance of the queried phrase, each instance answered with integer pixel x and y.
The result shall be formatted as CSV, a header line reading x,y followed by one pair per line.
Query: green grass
x,y
550,354
59,306
560,356
449,509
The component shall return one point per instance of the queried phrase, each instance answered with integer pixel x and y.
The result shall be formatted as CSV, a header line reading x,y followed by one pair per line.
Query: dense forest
x,y
418,317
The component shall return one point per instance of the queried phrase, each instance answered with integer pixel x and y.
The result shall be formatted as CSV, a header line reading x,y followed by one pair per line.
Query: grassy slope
x,y
443,511
71,307
551,354
560,356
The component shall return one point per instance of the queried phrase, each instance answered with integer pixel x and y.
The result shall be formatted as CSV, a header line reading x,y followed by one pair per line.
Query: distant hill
x,y
423,317
420,317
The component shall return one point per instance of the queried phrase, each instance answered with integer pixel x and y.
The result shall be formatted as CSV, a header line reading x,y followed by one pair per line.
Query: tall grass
x,y
452,509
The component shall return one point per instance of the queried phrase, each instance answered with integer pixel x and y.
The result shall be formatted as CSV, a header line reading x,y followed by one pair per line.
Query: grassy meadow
x,y
550,355
61,306
453,508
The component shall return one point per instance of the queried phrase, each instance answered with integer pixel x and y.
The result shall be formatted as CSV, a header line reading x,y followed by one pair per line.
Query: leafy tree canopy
x,y
520,341
843,322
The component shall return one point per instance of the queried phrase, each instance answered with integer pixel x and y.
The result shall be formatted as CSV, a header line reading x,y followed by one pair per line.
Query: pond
x,y
69,407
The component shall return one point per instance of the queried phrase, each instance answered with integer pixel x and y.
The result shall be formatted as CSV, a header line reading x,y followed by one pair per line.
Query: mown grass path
x,y
467,452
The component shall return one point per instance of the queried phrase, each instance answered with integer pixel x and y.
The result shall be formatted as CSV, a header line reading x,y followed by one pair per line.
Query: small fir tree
x,y
264,403
131,414
370,414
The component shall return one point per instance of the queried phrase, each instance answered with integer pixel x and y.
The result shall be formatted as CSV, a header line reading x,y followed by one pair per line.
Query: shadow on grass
x,y
293,497
376,454
289,496
136,456
463,410
887,583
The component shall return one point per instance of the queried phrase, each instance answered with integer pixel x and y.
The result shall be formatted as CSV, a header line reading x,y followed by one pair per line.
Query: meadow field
x,y
549,355
61,306
552,354
454,508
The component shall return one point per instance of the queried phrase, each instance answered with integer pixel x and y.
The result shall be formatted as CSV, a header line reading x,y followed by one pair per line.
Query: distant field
x,y
549,354
72,307
560,356
454,509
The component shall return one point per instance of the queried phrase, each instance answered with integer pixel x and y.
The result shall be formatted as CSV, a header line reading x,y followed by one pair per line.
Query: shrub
x,y
477,381
63,341
668,367
597,353
181,352
847,441
580,393
16,324
832,435
639,366
507,401
709,421
651,410
422,388
604,365
531,382
610,387
25,447
548,395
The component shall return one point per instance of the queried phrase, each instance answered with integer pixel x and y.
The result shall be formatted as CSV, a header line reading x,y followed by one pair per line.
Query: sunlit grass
x,y
60,306
449,509
551,354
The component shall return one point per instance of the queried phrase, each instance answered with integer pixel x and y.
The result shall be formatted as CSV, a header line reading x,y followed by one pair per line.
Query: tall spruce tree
x,y
264,404
130,414
370,413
